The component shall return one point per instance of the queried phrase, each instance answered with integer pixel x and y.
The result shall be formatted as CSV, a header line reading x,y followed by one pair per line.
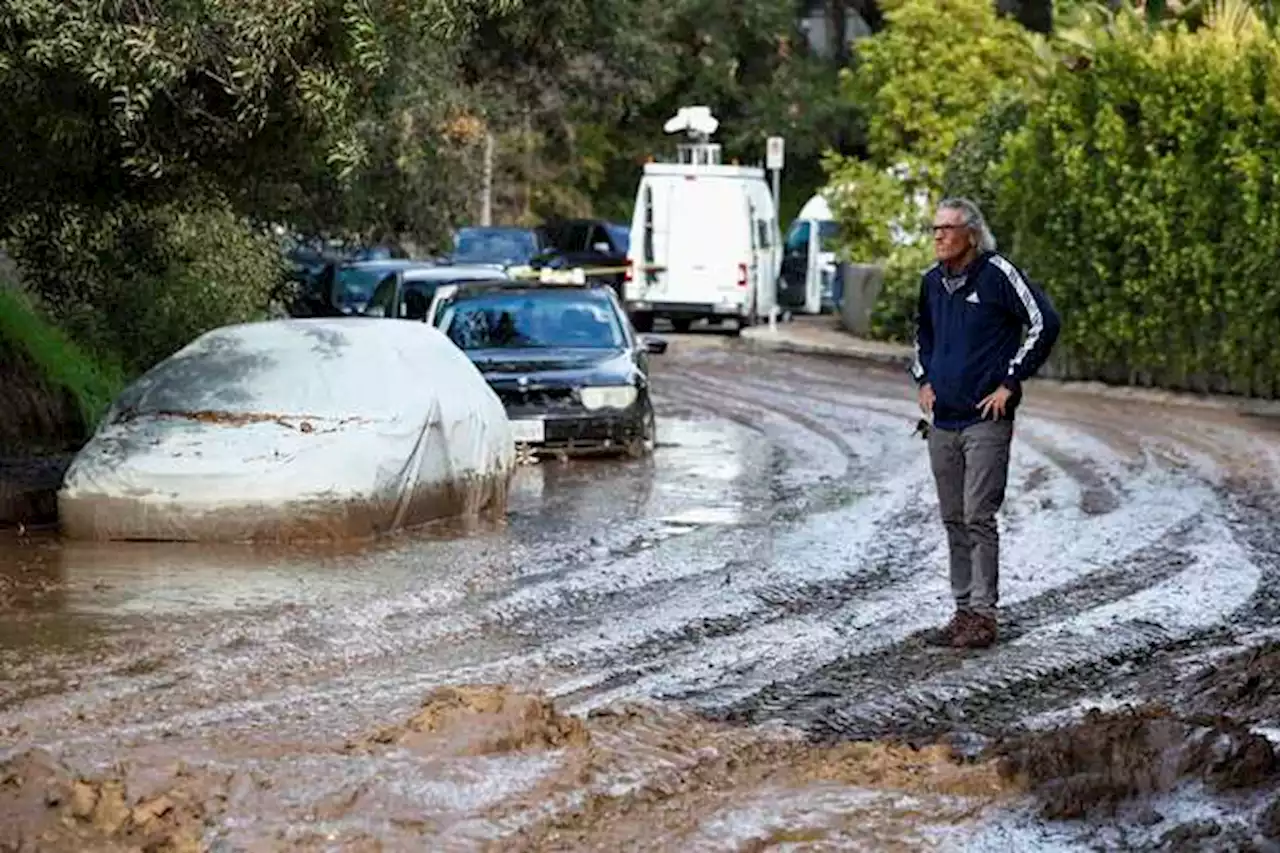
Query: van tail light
x,y
742,275
626,274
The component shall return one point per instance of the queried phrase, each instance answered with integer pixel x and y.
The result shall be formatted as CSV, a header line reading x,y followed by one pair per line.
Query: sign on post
x,y
775,153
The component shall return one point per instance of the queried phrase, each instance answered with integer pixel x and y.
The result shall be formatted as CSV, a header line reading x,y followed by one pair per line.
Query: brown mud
x,y
107,517
1244,686
773,564
1094,766
46,806
624,779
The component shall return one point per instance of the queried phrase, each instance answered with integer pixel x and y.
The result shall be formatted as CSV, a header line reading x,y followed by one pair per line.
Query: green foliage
x,y
143,142
93,384
868,203
143,281
927,78
1144,192
973,169
747,61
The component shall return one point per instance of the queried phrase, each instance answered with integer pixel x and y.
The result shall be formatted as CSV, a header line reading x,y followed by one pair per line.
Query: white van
x,y
705,243
808,281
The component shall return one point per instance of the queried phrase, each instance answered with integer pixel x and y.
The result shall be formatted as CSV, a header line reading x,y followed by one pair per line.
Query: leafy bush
x,y
1145,192
927,78
142,282
973,169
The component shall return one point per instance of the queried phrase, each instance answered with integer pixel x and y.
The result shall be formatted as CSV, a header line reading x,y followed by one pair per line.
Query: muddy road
x,y
714,649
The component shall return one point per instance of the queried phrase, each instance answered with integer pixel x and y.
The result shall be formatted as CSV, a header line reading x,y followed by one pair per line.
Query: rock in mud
x,y
1094,766
45,806
29,489
1244,686
484,720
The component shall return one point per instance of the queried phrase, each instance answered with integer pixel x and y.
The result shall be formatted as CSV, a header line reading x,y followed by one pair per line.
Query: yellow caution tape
x,y
574,275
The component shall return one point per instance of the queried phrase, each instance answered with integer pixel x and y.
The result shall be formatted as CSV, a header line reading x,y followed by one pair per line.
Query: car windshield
x,y
485,246
547,319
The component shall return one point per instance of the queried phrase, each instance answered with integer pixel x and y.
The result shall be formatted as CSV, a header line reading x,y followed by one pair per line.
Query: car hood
x,y
551,365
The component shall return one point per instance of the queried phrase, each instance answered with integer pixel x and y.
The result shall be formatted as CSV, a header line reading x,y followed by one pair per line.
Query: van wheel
x,y
642,322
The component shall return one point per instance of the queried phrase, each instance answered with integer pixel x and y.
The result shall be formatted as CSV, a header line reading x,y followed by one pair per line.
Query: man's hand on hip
x,y
992,405
926,398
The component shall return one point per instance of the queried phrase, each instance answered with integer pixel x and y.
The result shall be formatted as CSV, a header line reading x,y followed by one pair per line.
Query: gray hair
x,y
979,232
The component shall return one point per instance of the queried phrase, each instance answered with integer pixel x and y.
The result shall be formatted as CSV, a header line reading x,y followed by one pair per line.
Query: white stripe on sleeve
x,y
1029,302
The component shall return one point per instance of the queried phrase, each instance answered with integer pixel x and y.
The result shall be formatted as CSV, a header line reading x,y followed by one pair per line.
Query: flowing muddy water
x,y
714,649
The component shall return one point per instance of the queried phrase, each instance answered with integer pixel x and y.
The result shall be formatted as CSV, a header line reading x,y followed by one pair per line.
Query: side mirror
x,y
654,346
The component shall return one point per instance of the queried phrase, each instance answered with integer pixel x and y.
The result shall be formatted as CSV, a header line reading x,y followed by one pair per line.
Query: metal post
x,y
486,199
777,175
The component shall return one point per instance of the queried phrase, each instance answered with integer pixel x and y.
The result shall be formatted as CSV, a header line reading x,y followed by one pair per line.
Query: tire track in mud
x,y
1103,491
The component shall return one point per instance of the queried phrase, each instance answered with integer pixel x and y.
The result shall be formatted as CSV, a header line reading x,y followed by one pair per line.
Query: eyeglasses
x,y
937,229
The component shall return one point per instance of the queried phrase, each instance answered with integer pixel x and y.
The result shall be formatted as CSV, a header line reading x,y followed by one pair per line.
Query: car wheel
x,y
681,326
643,444
643,323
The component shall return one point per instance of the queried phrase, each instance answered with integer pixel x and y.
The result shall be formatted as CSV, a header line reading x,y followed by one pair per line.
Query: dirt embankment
x,y
40,426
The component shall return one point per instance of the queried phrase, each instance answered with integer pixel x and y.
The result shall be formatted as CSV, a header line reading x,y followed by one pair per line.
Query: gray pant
x,y
971,469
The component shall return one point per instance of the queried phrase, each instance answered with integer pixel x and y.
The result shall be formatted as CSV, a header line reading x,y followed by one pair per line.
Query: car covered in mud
x,y
319,428
564,360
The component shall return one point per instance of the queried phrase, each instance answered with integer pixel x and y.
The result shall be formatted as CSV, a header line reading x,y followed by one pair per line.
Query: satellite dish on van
x,y
698,122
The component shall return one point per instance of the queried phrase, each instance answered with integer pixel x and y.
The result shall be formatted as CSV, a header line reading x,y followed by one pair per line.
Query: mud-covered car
x,y
566,363
319,428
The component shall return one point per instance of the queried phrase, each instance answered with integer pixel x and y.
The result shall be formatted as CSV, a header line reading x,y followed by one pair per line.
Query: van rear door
x,y
707,233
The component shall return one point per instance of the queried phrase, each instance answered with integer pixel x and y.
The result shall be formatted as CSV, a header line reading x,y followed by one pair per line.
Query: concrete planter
x,y
862,285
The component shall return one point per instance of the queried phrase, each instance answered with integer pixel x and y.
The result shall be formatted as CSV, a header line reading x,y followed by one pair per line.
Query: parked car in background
x,y
408,294
500,246
345,288
564,360
588,243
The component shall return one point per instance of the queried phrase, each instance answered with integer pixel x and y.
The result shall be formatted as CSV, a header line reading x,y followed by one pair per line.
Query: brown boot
x,y
946,635
977,632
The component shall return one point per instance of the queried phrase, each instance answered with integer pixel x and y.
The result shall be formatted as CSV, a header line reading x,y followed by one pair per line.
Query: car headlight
x,y
607,396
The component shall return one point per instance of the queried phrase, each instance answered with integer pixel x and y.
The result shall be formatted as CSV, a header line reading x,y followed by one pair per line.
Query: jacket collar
x,y
954,281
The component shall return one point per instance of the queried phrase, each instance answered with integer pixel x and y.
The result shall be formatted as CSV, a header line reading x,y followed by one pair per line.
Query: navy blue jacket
x,y
969,338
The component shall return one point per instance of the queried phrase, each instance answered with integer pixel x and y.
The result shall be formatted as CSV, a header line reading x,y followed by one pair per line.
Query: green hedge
x,y
1144,191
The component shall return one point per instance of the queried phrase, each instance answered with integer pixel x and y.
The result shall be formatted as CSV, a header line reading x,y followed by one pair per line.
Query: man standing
x,y
971,360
